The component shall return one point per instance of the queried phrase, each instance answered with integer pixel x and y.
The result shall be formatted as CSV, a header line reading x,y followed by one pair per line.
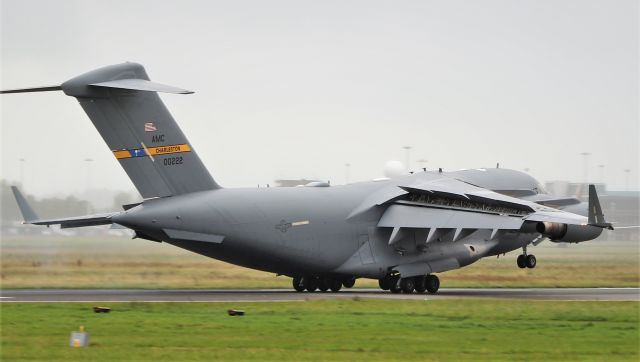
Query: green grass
x,y
84,262
327,330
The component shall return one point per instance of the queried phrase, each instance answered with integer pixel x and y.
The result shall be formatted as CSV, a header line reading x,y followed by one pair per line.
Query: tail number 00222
x,y
170,161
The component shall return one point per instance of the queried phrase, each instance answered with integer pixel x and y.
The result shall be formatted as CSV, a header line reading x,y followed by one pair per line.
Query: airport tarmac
x,y
275,295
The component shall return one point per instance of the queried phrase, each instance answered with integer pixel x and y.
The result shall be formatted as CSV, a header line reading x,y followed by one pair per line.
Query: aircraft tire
x,y
298,284
394,287
335,285
349,282
531,261
521,261
407,285
433,284
385,283
420,283
324,284
310,284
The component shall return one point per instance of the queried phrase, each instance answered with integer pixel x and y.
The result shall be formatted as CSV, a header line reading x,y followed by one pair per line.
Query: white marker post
x,y
79,339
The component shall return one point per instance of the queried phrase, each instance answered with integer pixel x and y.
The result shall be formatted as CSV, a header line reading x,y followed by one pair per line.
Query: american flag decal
x,y
150,127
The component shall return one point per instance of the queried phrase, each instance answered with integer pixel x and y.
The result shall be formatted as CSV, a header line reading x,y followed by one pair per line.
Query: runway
x,y
275,295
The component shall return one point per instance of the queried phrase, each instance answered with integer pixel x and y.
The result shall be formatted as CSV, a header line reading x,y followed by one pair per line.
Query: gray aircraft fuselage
x,y
306,230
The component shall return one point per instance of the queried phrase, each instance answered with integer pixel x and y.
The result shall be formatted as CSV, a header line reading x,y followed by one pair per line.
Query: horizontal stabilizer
x,y
78,221
25,209
32,90
30,216
141,85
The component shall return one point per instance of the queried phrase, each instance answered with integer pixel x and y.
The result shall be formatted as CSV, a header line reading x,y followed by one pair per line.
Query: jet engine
x,y
567,233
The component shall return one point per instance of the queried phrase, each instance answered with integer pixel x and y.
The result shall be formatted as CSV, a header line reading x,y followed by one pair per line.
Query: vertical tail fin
x,y
595,215
127,112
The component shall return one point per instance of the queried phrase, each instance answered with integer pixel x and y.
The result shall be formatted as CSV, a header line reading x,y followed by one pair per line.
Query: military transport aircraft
x,y
400,231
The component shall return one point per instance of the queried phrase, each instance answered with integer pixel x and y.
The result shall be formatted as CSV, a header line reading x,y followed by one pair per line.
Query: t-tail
x,y
141,133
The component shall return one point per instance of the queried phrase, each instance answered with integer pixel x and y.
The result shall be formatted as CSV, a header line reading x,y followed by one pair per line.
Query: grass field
x,y
125,263
327,330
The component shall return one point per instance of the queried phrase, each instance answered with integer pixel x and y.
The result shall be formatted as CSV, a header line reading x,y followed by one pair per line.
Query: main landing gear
x,y
429,283
526,260
323,284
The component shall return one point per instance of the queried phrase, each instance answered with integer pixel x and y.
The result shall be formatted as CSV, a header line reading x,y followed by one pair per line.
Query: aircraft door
x,y
366,252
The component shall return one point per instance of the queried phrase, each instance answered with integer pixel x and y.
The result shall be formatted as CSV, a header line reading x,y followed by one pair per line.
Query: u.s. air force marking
x,y
284,226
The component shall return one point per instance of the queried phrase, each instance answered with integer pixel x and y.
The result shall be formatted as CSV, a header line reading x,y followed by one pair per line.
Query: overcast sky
x,y
291,89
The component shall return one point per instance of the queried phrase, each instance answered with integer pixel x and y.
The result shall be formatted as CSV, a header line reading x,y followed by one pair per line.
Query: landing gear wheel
x,y
521,261
407,285
335,285
530,261
324,284
420,283
310,283
348,283
395,285
385,283
298,284
433,284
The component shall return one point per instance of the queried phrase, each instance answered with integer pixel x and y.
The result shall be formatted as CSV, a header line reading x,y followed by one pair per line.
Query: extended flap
x,y
425,217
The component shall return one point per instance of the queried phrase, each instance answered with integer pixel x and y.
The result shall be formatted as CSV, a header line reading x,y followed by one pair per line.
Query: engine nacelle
x,y
559,232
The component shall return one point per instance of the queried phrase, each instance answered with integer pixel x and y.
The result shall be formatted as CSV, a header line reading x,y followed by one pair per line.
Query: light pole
x,y
407,156
586,166
88,162
347,168
601,167
22,173
422,163
626,178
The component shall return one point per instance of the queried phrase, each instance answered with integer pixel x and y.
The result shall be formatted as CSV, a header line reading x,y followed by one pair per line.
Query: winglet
x,y
25,209
596,217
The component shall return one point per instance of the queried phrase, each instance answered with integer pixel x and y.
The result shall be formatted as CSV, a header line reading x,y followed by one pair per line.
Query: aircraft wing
x,y
451,207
